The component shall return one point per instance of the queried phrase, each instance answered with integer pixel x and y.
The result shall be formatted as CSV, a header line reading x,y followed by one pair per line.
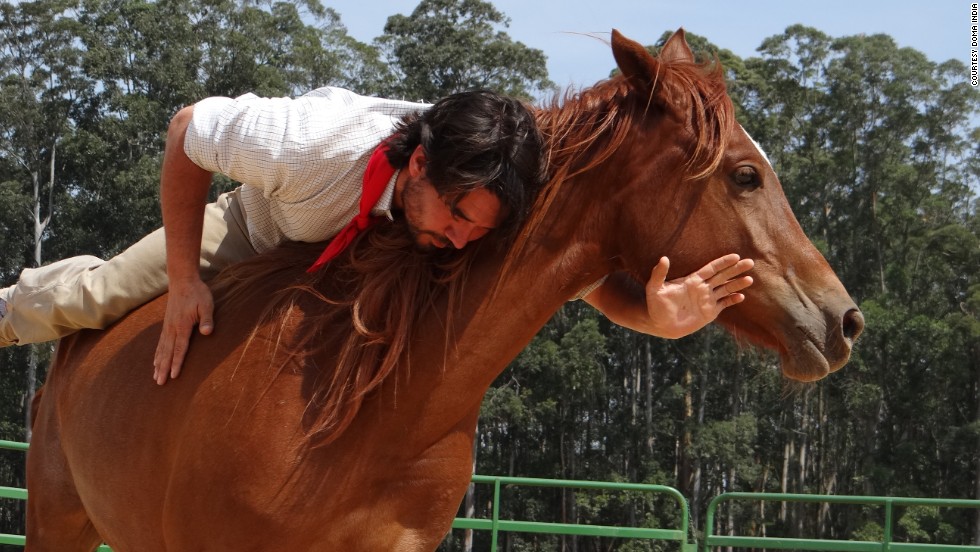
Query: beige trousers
x,y
87,292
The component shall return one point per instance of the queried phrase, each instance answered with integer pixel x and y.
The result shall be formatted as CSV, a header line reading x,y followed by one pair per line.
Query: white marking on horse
x,y
757,146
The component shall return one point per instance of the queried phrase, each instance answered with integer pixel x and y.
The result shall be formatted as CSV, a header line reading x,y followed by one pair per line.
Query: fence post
x,y
495,523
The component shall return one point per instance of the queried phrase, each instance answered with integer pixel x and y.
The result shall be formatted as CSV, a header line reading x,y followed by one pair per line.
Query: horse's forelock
x,y
712,112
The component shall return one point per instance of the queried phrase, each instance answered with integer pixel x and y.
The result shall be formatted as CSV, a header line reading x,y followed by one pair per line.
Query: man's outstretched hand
x,y
674,308
685,305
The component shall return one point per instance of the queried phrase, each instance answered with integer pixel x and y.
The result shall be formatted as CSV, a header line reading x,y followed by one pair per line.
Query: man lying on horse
x,y
327,163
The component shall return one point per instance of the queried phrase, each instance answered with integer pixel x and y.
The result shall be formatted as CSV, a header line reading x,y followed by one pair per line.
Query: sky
x,y
563,29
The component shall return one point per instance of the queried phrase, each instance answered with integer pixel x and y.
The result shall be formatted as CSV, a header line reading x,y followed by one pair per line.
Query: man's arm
x,y
183,193
676,308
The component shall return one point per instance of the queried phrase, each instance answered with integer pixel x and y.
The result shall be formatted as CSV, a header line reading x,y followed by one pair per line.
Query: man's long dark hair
x,y
477,139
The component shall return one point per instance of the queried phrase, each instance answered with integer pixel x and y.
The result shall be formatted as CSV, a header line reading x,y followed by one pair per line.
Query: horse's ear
x,y
639,65
676,48
635,62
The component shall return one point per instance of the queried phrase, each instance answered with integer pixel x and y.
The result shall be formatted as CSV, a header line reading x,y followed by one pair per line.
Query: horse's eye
x,y
747,178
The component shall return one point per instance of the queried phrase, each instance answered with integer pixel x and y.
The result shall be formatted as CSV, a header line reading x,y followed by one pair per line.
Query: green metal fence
x,y
12,492
496,525
886,544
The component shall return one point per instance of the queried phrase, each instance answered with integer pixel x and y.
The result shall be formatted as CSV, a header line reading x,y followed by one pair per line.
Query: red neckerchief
x,y
376,177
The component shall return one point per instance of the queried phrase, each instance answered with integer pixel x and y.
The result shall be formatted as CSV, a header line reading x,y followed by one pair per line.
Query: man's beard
x,y
412,206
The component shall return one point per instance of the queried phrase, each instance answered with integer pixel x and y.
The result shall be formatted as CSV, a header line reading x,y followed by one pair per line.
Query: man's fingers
x,y
164,355
206,325
161,364
718,265
163,359
733,286
729,271
729,300
180,351
170,354
659,274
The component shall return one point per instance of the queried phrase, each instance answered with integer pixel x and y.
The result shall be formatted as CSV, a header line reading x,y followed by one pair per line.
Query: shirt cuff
x,y
581,295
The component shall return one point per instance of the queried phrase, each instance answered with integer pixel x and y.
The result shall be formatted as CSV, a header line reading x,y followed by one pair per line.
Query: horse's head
x,y
689,183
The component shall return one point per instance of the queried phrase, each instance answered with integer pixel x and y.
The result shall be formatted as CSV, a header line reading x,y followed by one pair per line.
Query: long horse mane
x,y
351,324
348,325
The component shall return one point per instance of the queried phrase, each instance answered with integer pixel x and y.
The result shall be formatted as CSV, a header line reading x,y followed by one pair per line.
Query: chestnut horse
x,y
274,439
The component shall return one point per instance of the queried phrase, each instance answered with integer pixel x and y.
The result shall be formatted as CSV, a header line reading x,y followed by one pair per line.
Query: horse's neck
x,y
507,301
495,320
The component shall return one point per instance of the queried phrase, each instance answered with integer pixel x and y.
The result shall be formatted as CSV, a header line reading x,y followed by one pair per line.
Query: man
x,y
456,170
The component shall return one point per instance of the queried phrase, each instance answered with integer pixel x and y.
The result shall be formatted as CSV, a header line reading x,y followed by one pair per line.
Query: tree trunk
x,y
784,480
648,414
39,227
684,470
730,487
31,385
634,456
803,460
469,502
976,524
826,467
570,496
762,504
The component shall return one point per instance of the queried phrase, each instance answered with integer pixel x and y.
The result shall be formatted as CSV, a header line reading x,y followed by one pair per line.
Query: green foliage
x,y
729,442
448,46
925,524
870,531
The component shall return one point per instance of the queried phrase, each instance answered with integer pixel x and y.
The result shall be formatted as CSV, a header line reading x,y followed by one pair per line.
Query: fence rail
x,y
886,544
496,525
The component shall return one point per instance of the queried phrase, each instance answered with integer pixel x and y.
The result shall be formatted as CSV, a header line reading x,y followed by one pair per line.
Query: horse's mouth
x,y
810,345
803,356
804,362
806,357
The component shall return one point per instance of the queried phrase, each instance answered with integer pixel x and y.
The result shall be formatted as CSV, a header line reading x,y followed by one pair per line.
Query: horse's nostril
x,y
853,324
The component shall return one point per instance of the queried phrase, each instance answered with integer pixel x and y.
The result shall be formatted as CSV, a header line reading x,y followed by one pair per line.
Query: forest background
x,y
877,149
